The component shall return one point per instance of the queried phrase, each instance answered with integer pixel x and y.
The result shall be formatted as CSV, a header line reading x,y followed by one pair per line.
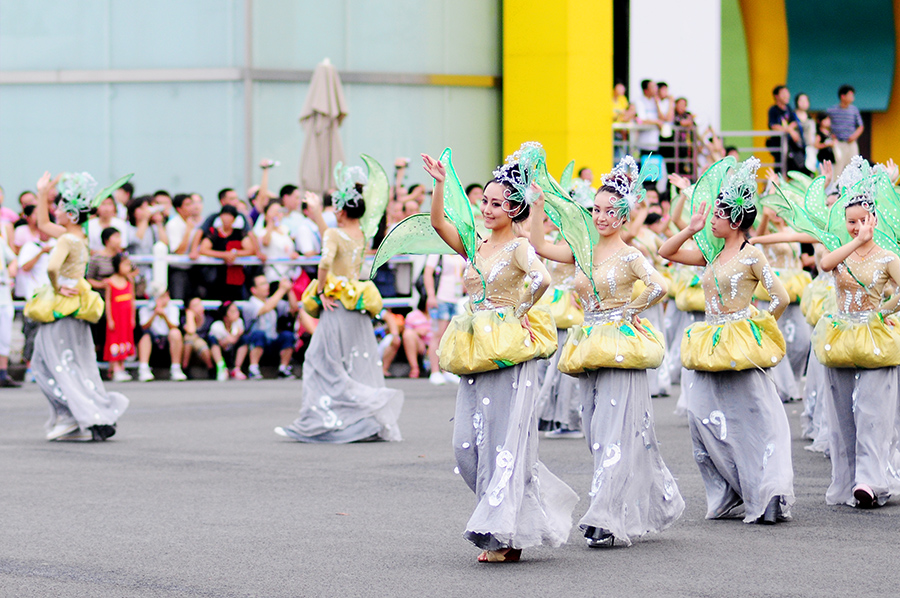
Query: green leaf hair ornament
x,y
76,190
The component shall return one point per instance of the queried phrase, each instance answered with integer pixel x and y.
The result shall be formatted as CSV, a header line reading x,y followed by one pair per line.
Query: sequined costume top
x,y
728,285
561,299
609,337
735,336
864,333
860,284
784,258
614,278
504,278
66,267
342,257
490,334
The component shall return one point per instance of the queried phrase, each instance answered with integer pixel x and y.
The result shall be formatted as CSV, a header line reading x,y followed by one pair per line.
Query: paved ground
x,y
197,497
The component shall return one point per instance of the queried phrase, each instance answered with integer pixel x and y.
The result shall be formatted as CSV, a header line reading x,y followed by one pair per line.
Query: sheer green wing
x,y
457,207
802,181
376,195
798,219
565,181
106,192
413,235
814,202
887,205
706,191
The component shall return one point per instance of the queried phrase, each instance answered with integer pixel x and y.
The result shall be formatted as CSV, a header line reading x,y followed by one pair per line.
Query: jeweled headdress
x,y
518,172
629,184
346,178
76,190
738,192
857,184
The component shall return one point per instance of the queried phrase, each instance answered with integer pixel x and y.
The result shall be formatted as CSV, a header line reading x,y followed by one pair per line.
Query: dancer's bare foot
x,y
505,555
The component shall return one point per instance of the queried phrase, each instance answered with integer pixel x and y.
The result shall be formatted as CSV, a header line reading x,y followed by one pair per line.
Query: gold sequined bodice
x,y
783,256
505,273
614,278
561,275
728,286
862,287
342,255
68,260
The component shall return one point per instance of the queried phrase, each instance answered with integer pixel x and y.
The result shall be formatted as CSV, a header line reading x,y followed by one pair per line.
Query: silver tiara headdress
x,y
518,172
737,194
77,192
629,184
346,178
856,184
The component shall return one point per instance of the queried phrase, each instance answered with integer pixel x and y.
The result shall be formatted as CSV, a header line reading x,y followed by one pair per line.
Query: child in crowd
x,y
416,339
196,335
159,323
225,336
120,318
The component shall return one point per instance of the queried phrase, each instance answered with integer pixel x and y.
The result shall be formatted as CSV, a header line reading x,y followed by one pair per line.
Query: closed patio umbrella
x,y
322,114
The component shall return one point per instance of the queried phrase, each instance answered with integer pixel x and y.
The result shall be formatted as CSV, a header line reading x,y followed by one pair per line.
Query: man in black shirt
x,y
782,118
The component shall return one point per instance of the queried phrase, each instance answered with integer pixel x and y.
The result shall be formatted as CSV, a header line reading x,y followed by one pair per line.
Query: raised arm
x,y
558,253
676,209
783,237
526,259
442,226
780,298
44,185
672,249
831,259
656,285
314,207
893,303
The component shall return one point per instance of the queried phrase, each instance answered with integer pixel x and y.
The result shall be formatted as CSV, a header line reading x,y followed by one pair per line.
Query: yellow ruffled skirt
x,y
865,340
48,306
741,341
794,281
606,340
354,296
564,307
818,299
491,339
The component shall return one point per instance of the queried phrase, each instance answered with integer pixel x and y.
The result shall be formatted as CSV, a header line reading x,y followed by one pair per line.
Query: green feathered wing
x,y
413,235
815,204
800,180
706,191
565,181
108,191
798,219
573,221
375,193
887,205
457,207
837,224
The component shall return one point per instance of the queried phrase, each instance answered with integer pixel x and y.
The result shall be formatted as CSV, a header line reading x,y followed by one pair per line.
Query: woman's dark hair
x,y
223,310
134,204
107,233
413,187
472,186
797,99
652,218
272,202
118,259
28,210
523,212
229,210
357,208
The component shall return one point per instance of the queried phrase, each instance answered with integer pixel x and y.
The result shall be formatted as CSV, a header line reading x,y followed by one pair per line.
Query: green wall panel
x,y
833,42
736,107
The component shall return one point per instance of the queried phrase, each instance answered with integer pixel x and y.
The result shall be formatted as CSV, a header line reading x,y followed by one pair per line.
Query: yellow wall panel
x,y
557,79
765,25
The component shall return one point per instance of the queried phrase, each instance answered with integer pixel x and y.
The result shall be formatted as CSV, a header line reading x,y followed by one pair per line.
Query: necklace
x,y
866,254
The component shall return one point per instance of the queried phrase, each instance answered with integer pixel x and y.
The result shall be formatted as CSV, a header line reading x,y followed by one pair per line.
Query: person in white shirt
x,y
8,267
275,244
106,218
179,230
33,260
226,334
261,316
159,323
648,114
299,228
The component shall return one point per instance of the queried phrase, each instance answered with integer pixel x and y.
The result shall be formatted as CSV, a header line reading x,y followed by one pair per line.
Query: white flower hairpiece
x,y
628,183
856,184
738,191
518,173
346,178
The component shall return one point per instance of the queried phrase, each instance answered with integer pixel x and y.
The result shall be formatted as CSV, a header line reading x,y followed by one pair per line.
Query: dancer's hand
x,y
434,168
637,325
45,183
68,292
679,181
526,324
328,303
698,219
867,229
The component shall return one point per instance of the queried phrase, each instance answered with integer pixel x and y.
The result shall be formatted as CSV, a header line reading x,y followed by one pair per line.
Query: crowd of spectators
x,y
224,316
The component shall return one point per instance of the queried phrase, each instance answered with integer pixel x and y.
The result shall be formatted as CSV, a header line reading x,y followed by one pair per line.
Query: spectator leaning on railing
x,y
180,231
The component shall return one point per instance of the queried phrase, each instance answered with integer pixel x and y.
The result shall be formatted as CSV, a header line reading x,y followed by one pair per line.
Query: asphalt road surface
x,y
196,496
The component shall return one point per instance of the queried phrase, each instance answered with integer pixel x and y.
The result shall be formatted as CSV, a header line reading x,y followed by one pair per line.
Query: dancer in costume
x,y
64,362
632,492
343,393
740,432
558,405
860,344
494,347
